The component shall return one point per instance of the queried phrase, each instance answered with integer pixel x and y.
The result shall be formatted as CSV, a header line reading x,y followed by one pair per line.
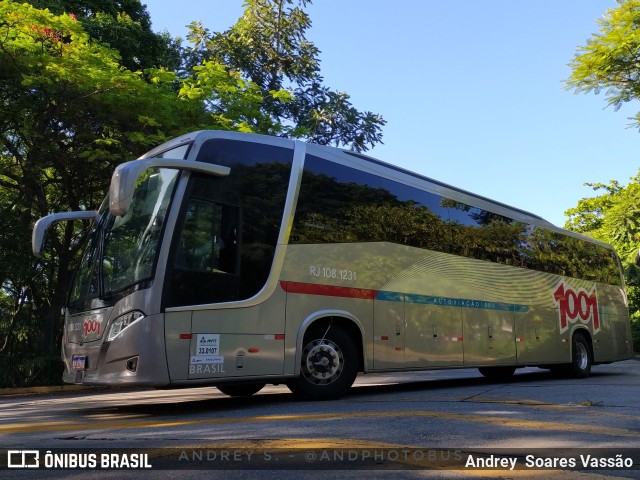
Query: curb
x,y
49,389
7,392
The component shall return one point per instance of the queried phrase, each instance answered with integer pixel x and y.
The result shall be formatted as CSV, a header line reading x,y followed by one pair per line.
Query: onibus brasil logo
x,y
576,304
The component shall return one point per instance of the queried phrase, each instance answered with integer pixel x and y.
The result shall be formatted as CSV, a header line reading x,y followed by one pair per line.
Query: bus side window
x,y
206,255
208,240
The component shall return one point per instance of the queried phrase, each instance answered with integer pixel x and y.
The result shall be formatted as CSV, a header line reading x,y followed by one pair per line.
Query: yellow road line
x,y
458,417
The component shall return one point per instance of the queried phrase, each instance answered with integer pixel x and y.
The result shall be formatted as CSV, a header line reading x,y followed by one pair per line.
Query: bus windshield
x,y
122,251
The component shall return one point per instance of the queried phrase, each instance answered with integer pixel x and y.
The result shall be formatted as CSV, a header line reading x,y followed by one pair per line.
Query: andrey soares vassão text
x,y
533,462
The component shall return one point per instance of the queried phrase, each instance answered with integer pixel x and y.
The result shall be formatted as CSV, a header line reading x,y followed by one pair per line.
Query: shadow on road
x,y
375,384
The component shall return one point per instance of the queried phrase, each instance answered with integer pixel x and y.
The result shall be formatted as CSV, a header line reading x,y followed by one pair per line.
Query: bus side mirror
x,y
42,225
125,177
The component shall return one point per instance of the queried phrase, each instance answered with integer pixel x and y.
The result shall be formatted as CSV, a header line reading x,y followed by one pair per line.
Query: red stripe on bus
x,y
328,290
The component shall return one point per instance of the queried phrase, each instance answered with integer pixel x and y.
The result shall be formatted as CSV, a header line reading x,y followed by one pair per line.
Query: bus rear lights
x,y
122,323
132,364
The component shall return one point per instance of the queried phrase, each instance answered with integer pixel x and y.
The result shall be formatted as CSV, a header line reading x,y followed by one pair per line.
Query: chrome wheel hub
x,y
322,361
582,356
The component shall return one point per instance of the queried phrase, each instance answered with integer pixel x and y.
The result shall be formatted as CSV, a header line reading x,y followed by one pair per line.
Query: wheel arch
x,y
335,318
584,331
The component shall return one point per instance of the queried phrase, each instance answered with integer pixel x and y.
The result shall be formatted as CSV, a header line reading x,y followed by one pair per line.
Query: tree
x,y
70,113
268,47
125,26
610,60
614,217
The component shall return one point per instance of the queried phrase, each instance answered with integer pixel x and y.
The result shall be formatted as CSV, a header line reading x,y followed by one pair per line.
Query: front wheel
x,y
329,365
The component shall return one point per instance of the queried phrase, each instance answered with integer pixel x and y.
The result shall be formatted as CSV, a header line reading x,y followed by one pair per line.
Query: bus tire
x,y
497,373
581,356
328,367
241,389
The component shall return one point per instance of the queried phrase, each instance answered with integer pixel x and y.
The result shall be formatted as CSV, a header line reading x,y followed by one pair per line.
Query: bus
x,y
239,260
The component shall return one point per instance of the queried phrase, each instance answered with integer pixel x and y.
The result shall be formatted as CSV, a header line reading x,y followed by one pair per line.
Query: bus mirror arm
x,y
125,178
43,224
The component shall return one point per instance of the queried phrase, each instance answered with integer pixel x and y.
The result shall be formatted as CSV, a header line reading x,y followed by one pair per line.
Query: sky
x,y
473,92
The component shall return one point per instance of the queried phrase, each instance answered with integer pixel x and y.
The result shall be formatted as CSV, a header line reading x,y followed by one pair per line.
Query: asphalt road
x,y
434,424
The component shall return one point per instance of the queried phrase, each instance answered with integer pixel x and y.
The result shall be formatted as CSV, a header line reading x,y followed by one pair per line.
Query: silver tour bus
x,y
237,260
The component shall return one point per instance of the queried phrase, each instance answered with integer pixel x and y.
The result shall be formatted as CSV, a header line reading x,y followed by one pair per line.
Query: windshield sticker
x,y
207,350
207,344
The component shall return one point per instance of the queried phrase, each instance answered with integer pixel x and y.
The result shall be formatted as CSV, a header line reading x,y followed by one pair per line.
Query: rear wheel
x,y
497,373
329,365
581,356
241,389
581,359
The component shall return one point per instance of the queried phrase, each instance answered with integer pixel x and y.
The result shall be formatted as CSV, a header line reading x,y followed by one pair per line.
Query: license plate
x,y
78,362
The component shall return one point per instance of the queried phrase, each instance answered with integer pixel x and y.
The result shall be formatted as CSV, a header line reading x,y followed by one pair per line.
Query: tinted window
x,y
226,237
342,204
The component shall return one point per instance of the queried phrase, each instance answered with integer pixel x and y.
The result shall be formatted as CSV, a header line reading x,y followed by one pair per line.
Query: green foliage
x,y
610,60
69,109
614,217
268,47
635,333
229,101
125,26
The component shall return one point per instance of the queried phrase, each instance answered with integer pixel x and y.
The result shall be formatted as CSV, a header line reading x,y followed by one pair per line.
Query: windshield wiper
x,y
100,259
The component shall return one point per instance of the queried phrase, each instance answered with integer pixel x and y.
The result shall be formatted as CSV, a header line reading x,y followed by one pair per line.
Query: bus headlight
x,y
123,322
